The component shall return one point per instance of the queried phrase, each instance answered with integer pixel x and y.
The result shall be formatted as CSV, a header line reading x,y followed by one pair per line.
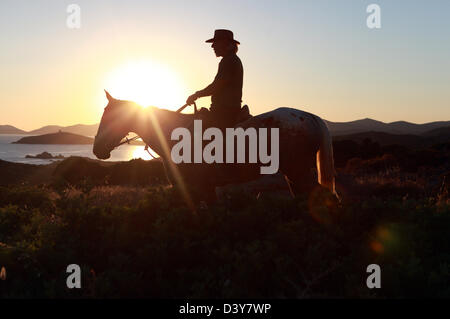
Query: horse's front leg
x,y
194,181
202,187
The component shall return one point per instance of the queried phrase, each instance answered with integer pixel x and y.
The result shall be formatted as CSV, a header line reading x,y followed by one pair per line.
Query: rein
x,y
184,106
134,138
127,141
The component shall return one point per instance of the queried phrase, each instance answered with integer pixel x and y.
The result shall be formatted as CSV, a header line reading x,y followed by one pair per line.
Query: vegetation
x,y
137,238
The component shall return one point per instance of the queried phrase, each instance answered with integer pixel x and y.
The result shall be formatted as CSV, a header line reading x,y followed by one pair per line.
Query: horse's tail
x,y
324,159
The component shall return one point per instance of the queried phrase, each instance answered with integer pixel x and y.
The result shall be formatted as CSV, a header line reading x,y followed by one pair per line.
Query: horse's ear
x,y
108,96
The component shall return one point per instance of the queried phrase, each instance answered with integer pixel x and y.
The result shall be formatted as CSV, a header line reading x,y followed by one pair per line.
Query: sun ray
x,y
173,168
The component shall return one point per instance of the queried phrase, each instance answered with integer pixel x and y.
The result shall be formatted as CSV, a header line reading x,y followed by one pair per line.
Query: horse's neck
x,y
155,127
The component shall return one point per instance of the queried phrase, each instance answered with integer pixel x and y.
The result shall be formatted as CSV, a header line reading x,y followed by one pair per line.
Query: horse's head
x,y
114,126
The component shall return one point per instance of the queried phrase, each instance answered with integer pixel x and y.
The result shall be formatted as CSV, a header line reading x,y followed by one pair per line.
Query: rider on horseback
x,y
226,89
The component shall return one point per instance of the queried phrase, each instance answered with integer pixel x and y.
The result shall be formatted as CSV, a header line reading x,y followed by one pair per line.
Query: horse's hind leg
x,y
301,181
290,184
301,176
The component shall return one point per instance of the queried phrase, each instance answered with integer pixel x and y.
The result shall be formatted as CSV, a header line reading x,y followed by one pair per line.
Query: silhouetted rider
x,y
226,89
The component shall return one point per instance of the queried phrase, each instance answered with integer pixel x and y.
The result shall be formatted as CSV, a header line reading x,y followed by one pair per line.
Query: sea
x,y
17,152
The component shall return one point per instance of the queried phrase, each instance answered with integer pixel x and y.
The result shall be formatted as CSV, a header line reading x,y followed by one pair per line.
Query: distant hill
x,y
441,132
9,129
368,125
428,138
46,130
387,139
62,138
56,138
81,129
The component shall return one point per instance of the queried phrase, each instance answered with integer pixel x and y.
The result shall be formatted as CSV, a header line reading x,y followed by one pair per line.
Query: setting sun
x,y
146,83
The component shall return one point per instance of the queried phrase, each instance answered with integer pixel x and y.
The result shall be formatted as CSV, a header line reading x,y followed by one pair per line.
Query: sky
x,y
318,56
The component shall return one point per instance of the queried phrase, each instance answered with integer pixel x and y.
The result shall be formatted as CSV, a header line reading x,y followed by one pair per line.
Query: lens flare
x,y
384,239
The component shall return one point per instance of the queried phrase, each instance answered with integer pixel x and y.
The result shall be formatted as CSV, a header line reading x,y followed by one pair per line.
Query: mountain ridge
x,y
9,129
336,128
397,127
81,129
61,137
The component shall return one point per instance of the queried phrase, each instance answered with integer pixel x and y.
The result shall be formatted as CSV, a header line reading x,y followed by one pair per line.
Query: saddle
x,y
244,114
206,115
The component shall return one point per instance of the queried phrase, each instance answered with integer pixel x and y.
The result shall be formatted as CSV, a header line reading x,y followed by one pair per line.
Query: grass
x,y
134,242
133,236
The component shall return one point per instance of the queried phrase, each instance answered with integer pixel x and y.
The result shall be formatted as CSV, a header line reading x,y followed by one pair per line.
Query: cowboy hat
x,y
222,34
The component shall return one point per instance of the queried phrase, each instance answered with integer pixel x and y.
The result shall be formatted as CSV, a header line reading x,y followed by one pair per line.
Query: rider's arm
x,y
212,88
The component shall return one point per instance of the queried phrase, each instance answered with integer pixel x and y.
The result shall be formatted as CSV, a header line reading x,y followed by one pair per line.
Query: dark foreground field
x,y
133,236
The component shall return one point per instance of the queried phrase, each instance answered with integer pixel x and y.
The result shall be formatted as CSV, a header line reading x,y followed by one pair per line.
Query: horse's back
x,y
289,120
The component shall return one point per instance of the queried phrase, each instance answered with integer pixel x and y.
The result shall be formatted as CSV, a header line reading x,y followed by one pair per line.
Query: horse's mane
x,y
151,108
170,112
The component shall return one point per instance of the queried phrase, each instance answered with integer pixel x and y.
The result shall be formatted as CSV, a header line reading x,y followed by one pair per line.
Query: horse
x,y
304,144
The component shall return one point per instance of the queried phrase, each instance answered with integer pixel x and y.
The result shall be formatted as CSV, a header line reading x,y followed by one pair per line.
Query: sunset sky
x,y
318,56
